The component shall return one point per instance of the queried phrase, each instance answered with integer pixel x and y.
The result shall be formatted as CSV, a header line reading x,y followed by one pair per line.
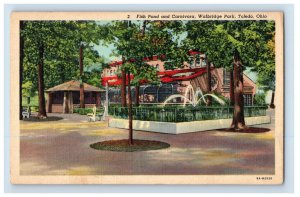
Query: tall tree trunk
x,y
137,95
231,84
272,100
123,85
209,99
21,67
42,106
130,137
81,97
238,121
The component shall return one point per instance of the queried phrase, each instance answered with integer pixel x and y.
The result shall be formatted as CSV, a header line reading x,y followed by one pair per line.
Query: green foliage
x,y
135,40
28,90
183,114
219,39
259,99
85,111
61,41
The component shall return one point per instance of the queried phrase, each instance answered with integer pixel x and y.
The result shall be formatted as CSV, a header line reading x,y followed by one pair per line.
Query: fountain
x,y
196,97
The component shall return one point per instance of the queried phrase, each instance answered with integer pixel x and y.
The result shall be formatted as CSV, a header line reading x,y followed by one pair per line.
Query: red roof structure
x,y
165,76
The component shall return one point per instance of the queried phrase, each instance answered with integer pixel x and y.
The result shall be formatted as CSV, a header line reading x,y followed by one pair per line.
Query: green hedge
x,y
184,114
85,111
33,108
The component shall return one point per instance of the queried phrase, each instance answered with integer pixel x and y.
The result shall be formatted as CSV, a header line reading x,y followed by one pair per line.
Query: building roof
x,y
74,85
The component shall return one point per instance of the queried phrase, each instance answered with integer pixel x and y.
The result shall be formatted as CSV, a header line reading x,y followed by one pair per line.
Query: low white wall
x,y
184,127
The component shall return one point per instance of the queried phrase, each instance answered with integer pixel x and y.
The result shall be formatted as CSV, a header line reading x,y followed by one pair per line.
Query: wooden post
x,y
70,102
49,103
98,99
65,103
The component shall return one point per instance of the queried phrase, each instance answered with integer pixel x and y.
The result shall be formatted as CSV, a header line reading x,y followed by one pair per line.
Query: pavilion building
x,y
63,98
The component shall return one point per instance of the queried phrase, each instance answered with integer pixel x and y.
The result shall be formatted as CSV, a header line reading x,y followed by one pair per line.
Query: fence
x,y
181,114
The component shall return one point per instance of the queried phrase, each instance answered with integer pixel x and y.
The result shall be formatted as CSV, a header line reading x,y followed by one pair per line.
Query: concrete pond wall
x,y
184,127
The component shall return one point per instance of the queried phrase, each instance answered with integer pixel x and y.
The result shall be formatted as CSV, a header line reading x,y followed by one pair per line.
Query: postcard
x,y
146,98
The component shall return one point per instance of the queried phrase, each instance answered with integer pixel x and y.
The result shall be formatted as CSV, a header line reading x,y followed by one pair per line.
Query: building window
x,y
57,97
247,99
226,77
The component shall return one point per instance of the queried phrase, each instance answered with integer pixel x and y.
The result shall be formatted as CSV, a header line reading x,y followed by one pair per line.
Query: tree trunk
x,y
123,85
81,97
42,106
231,88
238,121
272,100
209,99
21,67
137,95
130,138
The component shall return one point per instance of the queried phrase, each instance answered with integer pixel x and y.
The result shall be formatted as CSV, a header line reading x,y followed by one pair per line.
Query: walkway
x,y
61,147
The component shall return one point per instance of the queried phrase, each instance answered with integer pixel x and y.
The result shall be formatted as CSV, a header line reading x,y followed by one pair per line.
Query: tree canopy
x,y
61,40
219,39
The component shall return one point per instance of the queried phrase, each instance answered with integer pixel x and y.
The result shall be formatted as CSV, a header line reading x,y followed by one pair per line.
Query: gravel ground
x,y
61,147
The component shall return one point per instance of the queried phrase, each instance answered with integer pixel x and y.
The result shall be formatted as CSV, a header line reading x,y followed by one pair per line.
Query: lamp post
x,y
105,114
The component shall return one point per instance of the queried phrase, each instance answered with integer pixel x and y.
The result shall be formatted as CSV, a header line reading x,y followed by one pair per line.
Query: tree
x,y
238,120
202,36
35,36
21,67
265,68
238,43
51,49
135,41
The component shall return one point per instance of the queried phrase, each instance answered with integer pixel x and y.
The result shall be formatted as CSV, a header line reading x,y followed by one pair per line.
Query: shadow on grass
x,y
124,146
246,130
37,119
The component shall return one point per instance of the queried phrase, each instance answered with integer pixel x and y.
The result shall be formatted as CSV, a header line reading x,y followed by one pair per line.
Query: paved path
x,y
61,147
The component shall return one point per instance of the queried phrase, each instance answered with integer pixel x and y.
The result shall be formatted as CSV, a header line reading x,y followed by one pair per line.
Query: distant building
x,y
176,81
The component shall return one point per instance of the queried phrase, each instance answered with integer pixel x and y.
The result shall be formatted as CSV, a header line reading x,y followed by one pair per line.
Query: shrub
x,y
85,111
259,99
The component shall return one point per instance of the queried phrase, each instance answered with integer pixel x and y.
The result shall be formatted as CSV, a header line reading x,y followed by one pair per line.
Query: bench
x,y
26,112
94,116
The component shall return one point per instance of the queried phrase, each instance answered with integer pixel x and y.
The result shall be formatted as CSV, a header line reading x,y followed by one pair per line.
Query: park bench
x,y
94,116
26,112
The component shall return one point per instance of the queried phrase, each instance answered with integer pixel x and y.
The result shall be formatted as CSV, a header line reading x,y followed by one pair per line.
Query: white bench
x,y
26,113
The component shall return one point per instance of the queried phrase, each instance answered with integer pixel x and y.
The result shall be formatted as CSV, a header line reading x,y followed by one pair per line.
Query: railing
x,y
181,114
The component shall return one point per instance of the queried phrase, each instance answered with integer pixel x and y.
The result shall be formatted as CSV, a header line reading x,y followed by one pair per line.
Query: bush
x,y
259,99
85,111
